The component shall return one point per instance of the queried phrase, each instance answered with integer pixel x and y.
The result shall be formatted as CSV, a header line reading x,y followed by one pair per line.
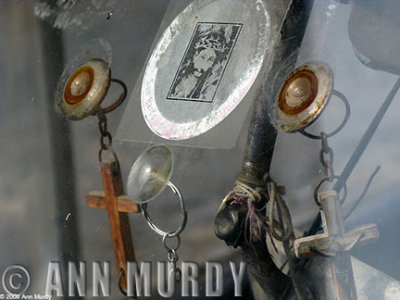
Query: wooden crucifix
x,y
118,206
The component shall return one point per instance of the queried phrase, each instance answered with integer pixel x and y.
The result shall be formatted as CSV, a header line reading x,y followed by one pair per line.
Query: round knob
x,y
302,97
298,92
83,91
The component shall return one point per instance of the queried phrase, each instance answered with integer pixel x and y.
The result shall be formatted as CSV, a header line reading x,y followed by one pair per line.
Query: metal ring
x,y
166,245
172,256
117,102
112,151
105,141
154,226
323,180
176,273
346,117
322,159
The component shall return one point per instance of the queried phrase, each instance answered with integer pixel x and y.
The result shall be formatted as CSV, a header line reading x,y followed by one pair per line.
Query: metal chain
x,y
172,256
326,153
105,138
326,160
326,157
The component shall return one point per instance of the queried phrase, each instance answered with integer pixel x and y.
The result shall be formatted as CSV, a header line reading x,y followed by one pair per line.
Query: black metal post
x,y
61,149
261,138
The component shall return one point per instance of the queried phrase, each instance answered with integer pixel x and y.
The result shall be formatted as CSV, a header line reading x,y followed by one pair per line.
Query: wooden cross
x,y
118,206
334,243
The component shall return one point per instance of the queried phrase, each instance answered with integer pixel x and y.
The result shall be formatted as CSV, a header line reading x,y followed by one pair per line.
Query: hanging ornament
x,y
149,176
80,92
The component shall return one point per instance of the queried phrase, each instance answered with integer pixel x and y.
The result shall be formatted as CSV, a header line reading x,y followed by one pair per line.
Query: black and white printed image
x,y
204,62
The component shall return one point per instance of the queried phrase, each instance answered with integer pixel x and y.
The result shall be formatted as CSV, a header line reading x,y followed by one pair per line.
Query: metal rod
x,y
260,146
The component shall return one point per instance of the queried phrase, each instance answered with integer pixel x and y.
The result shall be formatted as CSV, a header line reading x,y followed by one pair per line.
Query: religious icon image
x,y
204,62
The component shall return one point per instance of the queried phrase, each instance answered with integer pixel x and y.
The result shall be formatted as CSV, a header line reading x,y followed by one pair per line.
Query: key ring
x,y
148,177
345,119
159,231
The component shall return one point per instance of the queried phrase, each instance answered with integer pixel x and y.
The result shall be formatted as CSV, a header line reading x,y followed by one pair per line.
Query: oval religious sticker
x,y
203,65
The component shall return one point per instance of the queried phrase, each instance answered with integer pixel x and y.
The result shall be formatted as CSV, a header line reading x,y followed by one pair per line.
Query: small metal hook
x,y
346,117
329,179
117,102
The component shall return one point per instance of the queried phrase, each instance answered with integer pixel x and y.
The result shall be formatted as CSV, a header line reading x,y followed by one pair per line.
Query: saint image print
x,y
204,62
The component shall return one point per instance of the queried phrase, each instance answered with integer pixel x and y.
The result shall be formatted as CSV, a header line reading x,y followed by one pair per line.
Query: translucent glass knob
x,y
150,174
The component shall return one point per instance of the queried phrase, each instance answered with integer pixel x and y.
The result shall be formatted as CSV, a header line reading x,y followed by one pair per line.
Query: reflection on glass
x,y
150,174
